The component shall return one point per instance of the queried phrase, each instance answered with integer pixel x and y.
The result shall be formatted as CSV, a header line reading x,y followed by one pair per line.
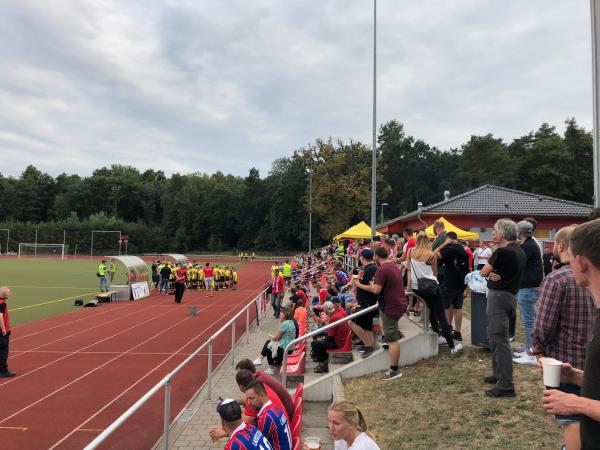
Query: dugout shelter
x,y
131,277
176,258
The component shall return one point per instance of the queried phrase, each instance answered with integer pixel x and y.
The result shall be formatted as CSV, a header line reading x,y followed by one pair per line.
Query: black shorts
x,y
453,297
366,321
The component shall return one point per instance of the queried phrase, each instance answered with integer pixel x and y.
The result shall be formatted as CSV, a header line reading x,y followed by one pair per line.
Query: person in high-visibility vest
x,y
103,275
287,272
274,268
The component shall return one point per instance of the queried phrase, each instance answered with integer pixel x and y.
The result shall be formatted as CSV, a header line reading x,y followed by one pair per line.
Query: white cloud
x,y
188,86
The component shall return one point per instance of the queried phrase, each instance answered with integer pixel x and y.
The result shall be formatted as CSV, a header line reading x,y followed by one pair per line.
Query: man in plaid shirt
x,y
584,253
563,324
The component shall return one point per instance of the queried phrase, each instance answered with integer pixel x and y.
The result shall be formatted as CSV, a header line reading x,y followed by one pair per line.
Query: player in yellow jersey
x,y
227,278
234,279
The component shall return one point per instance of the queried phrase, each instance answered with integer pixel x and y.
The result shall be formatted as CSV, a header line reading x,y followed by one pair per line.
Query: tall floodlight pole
x,y
595,14
374,144
309,210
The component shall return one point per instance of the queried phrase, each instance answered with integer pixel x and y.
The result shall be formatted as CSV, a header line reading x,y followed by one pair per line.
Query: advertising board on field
x,y
140,290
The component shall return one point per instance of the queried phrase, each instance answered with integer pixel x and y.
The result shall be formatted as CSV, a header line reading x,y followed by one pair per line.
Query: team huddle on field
x,y
175,278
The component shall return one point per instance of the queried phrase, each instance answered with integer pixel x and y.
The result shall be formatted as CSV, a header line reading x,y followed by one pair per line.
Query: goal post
x,y
43,250
117,235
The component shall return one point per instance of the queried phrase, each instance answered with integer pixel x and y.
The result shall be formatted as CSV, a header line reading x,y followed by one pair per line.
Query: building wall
x,y
546,228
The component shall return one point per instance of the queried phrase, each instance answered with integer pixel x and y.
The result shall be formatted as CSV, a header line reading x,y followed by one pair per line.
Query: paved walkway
x,y
190,432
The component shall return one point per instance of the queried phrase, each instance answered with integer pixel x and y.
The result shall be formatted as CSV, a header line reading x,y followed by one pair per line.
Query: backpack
x,y
461,264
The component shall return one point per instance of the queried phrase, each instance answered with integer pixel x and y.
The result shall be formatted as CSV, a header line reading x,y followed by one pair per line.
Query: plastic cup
x,y
551,369
313,443
411,315
355,277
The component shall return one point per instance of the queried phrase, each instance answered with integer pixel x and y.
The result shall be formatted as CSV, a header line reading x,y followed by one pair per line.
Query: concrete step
x,y
315,423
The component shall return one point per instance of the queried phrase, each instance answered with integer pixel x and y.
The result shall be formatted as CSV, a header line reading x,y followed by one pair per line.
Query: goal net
x,y
45,250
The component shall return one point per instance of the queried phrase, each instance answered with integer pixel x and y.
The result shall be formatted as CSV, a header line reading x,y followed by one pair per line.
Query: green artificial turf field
x,y
47,287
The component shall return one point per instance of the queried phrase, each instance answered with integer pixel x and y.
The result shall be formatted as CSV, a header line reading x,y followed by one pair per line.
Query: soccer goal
x,y
45,250
106,242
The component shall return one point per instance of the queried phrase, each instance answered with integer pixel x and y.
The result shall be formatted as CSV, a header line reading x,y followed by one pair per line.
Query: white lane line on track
x,y
62,325
138,381
63,352
107,362
12,380
103,324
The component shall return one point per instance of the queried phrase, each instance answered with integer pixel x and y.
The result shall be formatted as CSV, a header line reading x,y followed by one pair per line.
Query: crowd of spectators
x,y
558,310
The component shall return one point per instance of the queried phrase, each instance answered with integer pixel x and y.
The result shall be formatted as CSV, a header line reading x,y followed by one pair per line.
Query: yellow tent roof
x,y
359,231
462,234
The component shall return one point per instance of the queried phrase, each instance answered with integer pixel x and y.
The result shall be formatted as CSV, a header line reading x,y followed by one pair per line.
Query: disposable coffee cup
x,y
355,277
313,443
411,315
551,369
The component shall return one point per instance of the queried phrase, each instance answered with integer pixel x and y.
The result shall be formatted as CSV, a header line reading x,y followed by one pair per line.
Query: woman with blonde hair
x,y
348,427
422,268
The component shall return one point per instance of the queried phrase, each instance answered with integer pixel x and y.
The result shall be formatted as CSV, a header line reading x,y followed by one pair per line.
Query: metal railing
x,y
166,381
424,315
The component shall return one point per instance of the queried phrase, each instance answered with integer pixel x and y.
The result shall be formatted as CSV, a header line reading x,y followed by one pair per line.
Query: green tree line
x,y
195,212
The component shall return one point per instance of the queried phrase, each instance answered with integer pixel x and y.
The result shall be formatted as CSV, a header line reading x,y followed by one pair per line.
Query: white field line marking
x,y
61,325
138,381
105,363
63,352
12,380
75,334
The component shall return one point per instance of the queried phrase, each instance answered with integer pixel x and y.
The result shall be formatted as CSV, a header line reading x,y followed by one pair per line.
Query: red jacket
x,y
278,285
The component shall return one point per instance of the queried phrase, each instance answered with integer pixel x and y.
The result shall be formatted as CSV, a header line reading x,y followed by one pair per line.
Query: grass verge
x,y
440,404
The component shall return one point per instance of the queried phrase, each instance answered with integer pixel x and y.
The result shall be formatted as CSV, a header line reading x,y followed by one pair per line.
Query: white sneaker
x,y
391,375
269,371
527,359
442,340
257,362
520,354
457,348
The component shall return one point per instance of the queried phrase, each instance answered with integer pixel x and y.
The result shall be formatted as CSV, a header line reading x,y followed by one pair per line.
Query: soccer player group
x,y
209,278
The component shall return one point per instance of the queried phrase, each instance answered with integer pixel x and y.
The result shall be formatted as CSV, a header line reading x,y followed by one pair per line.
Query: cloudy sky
x,y
207,85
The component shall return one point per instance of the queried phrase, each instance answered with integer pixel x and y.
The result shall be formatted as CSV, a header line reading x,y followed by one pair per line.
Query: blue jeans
x,y
527,298
164,285
276,304
103,284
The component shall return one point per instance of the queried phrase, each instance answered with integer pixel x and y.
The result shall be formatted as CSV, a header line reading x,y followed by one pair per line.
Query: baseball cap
x,y
367,253
336,299
525,228
229,410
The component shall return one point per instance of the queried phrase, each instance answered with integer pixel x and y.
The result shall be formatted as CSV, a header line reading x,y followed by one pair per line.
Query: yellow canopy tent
x,y
359,231
462,234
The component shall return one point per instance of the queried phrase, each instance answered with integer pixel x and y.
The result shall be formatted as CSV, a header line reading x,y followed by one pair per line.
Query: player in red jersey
x,y
208,279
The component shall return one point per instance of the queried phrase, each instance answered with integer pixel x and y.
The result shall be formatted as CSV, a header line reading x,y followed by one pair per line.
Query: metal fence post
x,y
247,325
167,418
233,343
210,369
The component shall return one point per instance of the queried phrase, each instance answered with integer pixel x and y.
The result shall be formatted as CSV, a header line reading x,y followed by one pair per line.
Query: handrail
x,y
166,381
338,322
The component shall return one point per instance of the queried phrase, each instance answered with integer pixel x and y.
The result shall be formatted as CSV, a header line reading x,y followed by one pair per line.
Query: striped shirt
x,y
564,319
272,423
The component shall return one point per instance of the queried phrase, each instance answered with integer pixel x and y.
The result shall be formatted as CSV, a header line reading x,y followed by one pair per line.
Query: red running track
x,y
78,372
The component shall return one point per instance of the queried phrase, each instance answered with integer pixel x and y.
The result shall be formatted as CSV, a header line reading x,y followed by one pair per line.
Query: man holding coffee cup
x,y
584,254
564,322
